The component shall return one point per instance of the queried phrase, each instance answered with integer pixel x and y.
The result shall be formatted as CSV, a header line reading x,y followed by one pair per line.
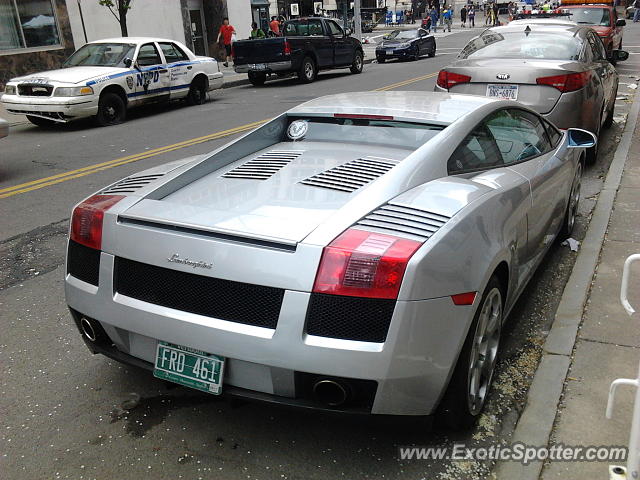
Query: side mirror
x,y
347,32
579,138
619,55
128,62
621,22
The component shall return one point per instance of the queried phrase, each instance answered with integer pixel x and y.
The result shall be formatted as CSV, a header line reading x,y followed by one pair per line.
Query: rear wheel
x,y
307,72
609,120
41,122
469,386
197,92
592,153
257,79
358,62
381,59
572,207
111,110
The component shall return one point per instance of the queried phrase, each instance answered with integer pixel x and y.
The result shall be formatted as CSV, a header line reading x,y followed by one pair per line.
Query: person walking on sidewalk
x,y
463,17
434,19
494,15
472,16
446,14
225,36
636,12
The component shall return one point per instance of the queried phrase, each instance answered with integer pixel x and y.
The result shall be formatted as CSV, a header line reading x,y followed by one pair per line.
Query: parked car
x,y
630,11
359,253
307,46
603,19
406,44
107,77
4,128
561,71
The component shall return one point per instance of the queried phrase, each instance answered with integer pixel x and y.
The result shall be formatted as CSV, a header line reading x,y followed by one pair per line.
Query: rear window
x,y
303,28
545,45
590,16
389,133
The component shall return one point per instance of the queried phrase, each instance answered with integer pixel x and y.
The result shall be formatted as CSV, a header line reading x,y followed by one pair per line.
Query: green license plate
x,y
189,367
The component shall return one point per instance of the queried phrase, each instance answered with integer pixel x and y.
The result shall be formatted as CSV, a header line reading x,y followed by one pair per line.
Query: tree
x,y
122,7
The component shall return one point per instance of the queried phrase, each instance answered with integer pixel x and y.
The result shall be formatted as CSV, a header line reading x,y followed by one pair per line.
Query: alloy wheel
x,y
574,200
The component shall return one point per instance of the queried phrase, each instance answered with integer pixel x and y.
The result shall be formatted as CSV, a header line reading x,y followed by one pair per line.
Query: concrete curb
x,y
538,417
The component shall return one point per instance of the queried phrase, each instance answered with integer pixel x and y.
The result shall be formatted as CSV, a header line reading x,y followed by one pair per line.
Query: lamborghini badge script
x,y
175,258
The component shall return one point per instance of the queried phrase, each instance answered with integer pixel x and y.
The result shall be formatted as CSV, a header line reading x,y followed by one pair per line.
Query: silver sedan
x,y
360,253
558,69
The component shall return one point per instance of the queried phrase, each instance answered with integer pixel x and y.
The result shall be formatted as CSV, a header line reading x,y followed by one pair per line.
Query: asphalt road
x,y
67,414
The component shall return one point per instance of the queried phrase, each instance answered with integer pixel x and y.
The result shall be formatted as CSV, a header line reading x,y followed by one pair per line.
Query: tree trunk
x,y
122,14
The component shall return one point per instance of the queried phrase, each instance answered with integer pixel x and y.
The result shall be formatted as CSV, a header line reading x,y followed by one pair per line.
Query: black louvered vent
x,y
404,221
352,175
131,184
263,166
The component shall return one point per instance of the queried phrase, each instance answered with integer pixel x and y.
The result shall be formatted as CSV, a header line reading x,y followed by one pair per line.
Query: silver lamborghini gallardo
x,y
359,253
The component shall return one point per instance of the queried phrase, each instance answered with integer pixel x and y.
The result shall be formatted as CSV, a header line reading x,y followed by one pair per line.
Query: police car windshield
x,y
101,55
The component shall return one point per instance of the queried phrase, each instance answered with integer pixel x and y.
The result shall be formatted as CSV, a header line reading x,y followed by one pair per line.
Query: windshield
x,y
101,55
389,133
406,34
590,16
546,45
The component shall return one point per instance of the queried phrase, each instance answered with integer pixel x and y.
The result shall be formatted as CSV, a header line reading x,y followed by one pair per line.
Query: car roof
x,y
542,21
421,107
136,40
567,28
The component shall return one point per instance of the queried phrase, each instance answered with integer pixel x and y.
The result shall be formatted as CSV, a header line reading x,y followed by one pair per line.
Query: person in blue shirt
x,y
447,18
434,19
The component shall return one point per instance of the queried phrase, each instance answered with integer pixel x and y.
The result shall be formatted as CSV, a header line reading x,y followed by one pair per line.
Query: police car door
x,y
152,78
180,69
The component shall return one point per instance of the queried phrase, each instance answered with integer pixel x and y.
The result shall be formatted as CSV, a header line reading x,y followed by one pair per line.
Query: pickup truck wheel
x,y
41,122
257,78
197,93
111,110
356,66
307,72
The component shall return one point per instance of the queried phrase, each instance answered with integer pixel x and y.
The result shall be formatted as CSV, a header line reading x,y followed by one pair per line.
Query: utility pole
x,y
357,20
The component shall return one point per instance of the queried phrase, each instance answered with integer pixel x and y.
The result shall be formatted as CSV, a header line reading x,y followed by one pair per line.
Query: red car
x,y
604,20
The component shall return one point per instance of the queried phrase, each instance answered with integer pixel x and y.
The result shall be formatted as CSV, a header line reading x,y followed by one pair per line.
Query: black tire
x,y
358,63
455,411
432,53
41,122
381,59
416,54
308,70
111,110
608,122
569,220
592,153
197,92
257,79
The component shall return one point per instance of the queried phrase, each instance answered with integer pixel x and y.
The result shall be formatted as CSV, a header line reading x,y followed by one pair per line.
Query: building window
x,y
27,24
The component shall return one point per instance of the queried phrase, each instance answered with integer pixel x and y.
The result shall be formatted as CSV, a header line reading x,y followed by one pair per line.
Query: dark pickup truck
x,y
307,46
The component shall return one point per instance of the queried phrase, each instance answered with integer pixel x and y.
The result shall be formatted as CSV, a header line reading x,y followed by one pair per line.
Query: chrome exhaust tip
x,y
87,329
330,392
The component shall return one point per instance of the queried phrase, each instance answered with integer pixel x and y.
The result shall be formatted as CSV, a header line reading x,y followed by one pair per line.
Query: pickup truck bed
x,y
308,46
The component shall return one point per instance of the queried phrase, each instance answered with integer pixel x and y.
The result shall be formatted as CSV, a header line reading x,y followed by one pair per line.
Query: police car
x,y
106,77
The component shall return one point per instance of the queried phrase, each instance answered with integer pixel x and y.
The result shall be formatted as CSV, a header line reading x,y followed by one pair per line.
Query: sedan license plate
x,y
506,92
259,66
189,367
389,51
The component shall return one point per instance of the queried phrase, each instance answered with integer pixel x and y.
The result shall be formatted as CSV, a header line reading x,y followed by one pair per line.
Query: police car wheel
x,y
111,110
197,93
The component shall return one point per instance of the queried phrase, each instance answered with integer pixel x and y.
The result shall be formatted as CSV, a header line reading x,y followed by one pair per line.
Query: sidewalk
x,y
593,341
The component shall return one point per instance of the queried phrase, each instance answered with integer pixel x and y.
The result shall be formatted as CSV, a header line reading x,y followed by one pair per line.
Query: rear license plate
x,y
259,66
189,367
507,92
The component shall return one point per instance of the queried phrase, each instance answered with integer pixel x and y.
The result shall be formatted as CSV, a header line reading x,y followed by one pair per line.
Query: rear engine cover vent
x,y
131,184
264,166
399,220
352,175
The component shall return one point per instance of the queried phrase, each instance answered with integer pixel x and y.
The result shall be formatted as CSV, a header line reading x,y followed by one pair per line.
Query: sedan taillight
x,y
364,264
449,79
86,221
566,83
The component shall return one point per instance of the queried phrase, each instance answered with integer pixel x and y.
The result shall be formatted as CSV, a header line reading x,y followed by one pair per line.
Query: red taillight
x,y
287,47
449,79
566,83
464,298
86,221
364,264
362,116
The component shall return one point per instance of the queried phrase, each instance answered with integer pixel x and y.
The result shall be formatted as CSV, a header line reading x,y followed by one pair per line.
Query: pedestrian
x,y
256,32
494,15
225,36
434,19
463,17
636,12
472,16
274,26
446,14
487,14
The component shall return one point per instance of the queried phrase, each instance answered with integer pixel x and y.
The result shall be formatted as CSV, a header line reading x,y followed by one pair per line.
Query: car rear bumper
x,y
268,67
53,108
408,372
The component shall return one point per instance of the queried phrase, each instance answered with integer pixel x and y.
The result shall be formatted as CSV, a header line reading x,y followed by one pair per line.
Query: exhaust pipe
x,y
330,392
87,329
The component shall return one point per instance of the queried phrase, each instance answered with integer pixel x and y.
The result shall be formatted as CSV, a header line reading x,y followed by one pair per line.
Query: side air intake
x,y
400,220
131,184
